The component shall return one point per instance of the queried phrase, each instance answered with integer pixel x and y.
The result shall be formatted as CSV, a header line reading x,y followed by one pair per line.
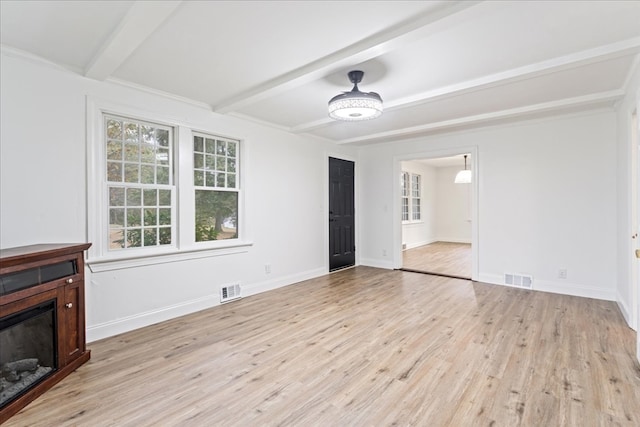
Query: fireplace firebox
x,y
42,327
27,349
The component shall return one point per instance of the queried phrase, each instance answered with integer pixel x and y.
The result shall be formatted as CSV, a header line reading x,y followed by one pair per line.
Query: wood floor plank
x,y
446,258
363,347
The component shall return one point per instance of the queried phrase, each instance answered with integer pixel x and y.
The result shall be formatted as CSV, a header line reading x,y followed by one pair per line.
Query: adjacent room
x,y
436,216
314,213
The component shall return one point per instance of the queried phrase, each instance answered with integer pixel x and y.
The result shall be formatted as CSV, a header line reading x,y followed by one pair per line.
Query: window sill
x,y
412,222
108,264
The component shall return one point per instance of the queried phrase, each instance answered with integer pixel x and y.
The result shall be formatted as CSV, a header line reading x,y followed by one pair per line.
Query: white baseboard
x,y
140,320
370,262
452,240
439,239
418,244
269,285
573,289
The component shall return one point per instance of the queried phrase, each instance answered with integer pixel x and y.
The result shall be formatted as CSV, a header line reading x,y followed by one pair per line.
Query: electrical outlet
x,y
267,268
384,252
562,273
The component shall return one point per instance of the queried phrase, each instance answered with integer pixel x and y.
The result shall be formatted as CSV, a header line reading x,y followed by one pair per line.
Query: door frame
x,y
397,220
634,217
635,176
325,205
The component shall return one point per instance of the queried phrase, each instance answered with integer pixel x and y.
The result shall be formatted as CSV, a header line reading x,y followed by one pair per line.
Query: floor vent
x,y
230,292
518,280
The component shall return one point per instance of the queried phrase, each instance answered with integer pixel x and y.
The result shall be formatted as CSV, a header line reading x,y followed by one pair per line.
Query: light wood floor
x,y
363,347
453,259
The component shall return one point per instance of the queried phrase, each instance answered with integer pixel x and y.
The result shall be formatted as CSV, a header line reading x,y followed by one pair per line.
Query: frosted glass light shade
x,y
355,105
352,108
463,177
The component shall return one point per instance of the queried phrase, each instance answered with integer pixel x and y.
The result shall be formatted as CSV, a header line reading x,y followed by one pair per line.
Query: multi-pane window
x,y
144,204
139,183
415,197
411,189
404,185
215,178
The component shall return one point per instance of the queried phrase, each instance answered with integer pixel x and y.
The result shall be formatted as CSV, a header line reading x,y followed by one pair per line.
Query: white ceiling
x,y
438,65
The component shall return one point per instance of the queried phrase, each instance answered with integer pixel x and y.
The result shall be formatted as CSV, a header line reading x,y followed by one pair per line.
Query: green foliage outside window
x,y
216,215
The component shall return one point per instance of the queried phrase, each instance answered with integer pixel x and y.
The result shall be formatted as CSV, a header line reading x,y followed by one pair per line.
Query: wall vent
x,y
518,280
230,292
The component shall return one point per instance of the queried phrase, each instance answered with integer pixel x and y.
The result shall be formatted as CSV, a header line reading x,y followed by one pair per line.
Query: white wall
x,y
422,232
43,197
453,217
547,200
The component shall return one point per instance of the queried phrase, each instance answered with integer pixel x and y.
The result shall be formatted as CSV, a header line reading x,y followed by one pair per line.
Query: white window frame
x,y
405,190
225,188
183,245
408,197
416,188
170,185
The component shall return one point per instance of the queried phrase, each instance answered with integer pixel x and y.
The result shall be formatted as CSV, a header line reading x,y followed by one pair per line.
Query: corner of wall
x,y
624,309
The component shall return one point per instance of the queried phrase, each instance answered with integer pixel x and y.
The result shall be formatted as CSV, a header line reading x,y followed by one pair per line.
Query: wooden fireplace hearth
x,y
37,274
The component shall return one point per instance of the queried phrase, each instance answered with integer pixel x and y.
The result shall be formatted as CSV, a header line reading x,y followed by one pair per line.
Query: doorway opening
x,y
437,216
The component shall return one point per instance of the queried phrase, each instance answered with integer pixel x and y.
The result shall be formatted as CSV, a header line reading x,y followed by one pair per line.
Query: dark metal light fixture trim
x,y
355,105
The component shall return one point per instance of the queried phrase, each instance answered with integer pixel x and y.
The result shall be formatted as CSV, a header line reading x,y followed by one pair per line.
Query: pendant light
x,y
355,105
464,176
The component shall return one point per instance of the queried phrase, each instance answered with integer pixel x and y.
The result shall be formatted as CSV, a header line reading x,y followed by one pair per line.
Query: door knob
x,y
69,305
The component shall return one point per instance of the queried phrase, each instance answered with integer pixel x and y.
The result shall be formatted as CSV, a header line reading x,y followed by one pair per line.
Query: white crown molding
x,y
260,122
35,59
152,91
272,125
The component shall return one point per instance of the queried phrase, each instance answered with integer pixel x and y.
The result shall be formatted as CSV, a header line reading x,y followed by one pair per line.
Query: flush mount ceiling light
x,y
464,176
355,105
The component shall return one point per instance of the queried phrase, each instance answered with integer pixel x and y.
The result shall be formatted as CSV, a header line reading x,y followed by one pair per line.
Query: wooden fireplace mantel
x,y
67,290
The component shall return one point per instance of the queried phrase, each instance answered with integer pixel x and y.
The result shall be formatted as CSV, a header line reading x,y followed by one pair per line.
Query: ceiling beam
x,y
142,19
574,60
579,102
371,47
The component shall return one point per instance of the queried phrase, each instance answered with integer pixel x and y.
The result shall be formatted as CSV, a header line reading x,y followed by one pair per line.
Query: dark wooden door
x,y
342,246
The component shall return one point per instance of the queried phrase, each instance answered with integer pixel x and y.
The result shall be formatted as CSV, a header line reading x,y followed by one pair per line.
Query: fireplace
x,y
42,328
27,350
